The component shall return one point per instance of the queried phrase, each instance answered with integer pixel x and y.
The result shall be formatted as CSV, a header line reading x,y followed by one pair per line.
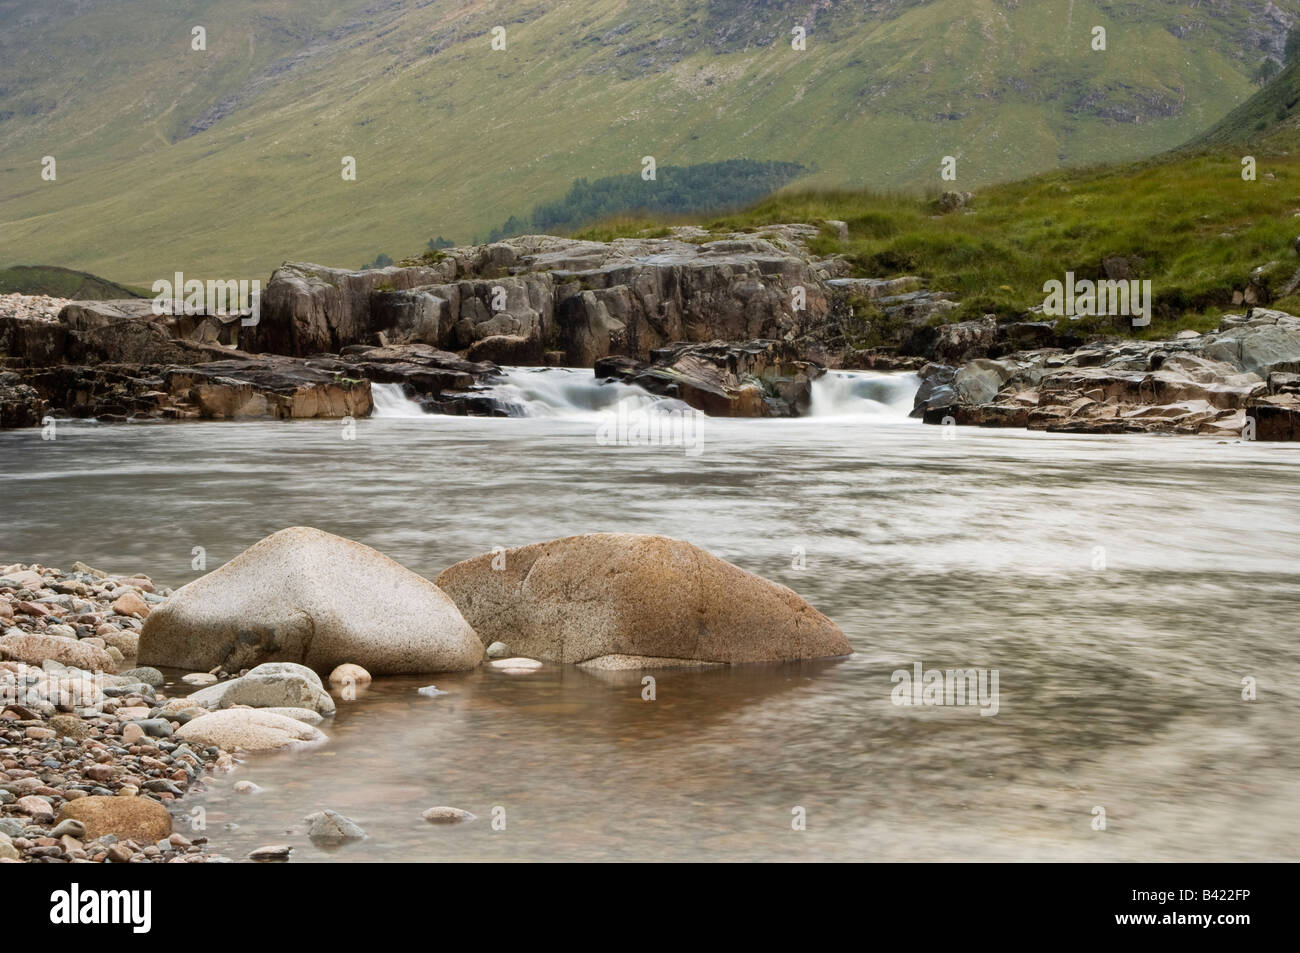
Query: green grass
x,y
63,283
1269,120
1197,227
452,138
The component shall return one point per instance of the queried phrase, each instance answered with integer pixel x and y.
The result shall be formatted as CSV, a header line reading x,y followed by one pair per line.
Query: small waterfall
x,y
390,401
863,394
575,392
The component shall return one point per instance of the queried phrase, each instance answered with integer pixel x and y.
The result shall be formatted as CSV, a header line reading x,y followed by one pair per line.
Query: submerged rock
x,y
349,674
305,596
272,853
447,815
575,599
330,828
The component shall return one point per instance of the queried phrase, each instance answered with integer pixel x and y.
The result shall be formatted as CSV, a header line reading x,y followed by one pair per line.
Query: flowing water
x,y
1121,587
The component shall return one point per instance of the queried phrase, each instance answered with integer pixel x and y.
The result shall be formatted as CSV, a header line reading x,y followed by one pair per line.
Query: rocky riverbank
x,y
735,325
88,757
96,752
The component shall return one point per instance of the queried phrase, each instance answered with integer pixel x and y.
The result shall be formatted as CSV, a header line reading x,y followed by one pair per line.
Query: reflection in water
x,y
1121,586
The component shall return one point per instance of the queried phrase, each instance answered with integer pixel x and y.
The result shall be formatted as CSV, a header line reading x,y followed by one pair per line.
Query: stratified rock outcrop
x,y
539,293
1223,383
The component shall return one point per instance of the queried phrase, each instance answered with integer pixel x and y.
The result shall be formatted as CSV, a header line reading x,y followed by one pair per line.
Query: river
x,y
1121,587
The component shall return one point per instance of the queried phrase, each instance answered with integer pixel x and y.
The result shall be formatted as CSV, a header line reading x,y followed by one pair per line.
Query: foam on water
x,y
566,392
391,401
863,393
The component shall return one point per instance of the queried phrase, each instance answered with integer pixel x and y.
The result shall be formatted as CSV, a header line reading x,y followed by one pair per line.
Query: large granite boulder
x,y
647,597
305,596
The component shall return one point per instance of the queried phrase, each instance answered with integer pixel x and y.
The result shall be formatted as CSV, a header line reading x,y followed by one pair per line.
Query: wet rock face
x,y
1276,416
270,387
20,404
32,341
238,387
585,597
1206,384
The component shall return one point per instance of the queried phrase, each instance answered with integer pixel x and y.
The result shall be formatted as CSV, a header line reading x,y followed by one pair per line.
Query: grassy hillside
x,y
1189,223
1269,120
227,161
63,283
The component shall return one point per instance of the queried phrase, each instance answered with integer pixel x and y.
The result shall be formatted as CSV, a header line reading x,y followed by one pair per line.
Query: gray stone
x,y
267,688
154,727
150,676
447,815
250,730
331,828
273,853
305,715
70,827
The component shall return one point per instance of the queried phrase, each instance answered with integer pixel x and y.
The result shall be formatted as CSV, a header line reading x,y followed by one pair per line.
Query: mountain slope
x,y
1269,120
224,162
62,283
